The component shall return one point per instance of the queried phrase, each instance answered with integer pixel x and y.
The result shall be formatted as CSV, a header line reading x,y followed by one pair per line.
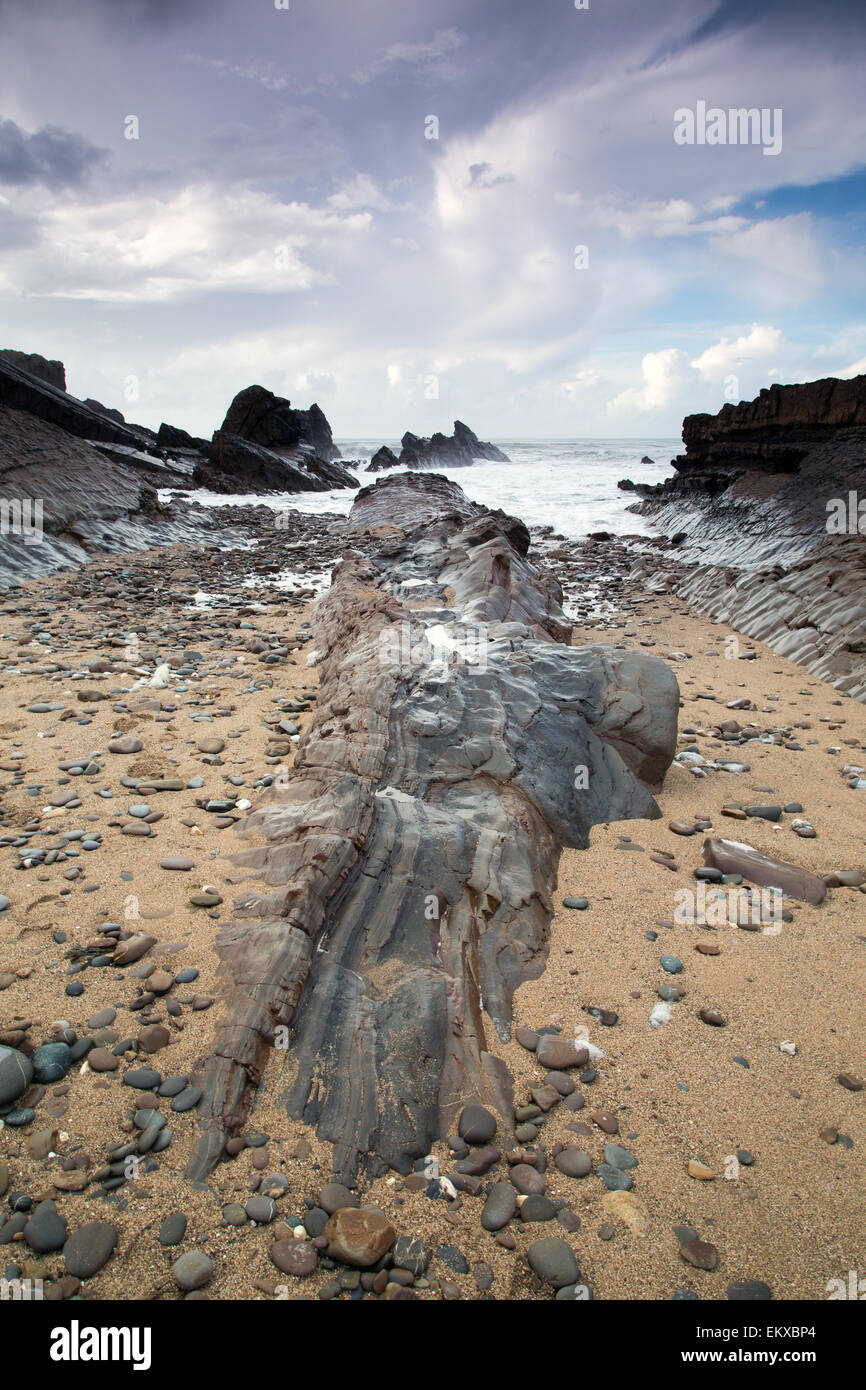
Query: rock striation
x,y
400,878
765,509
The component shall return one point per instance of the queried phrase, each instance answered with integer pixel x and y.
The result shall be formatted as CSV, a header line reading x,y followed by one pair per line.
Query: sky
x,y
413,212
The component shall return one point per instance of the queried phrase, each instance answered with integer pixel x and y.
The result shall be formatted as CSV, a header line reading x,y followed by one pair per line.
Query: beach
x,y
785,1212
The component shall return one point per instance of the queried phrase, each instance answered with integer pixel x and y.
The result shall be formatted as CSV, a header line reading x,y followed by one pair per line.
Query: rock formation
x,y
52,372
399,881
259,416
765,507
445,451
21,390
382,459
236,465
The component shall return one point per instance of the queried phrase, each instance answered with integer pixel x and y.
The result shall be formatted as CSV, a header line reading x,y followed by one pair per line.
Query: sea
x,y
569,484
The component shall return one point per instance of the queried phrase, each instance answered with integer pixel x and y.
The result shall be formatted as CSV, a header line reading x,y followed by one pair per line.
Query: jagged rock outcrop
x,y
173,437
236,465
447,451
382,459
19,390
400,881
766,506
108,411
259,416
43,368
63,501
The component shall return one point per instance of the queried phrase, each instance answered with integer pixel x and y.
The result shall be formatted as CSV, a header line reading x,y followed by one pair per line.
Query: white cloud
x,y
362,191
202,239
664,373
761,344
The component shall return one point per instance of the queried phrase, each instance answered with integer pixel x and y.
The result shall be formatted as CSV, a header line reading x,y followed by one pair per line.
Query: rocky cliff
x,y
77,479
768,511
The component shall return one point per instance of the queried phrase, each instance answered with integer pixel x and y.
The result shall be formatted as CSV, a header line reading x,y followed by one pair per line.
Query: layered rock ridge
x,y
400,878
768,508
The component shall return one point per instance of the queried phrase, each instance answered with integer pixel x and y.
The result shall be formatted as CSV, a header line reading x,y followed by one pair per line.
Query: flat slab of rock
x,y
731,857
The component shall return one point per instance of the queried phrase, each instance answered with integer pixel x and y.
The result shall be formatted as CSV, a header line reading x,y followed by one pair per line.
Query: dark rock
x,y
89,1248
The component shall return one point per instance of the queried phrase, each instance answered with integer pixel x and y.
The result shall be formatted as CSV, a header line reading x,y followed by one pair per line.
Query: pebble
x,y
500,1206
46,1229
700,1253
16,1074
295,1257
476,1125
173,1229
193,1270
573,1162
89,1248
553,1261
359,1237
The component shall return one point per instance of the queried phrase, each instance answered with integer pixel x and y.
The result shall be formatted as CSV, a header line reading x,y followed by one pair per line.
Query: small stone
x,y
16,1074
89,1248
476,1125
500,1206
700,1170
700,1253
334,1197
193,1270
553,1261
359,1237
173,1229
295,1257
126,744
573,1162
46,1229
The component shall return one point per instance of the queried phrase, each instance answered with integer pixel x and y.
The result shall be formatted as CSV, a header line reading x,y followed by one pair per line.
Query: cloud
x,y
430,58
664,375
259,70
483,175
761,345
50,156
204,239
360,192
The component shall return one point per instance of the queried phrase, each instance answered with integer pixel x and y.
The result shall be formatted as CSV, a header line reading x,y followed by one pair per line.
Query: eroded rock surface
x,y
400,886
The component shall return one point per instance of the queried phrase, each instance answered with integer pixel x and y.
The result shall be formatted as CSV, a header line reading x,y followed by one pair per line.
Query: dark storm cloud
x,y
51,156
157,12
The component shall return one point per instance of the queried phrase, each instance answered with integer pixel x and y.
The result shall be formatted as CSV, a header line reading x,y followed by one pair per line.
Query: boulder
x,y
259,416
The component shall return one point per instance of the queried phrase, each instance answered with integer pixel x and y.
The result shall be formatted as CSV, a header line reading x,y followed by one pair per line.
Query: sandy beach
x,y
786,1211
